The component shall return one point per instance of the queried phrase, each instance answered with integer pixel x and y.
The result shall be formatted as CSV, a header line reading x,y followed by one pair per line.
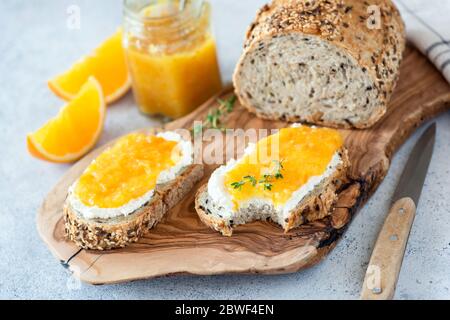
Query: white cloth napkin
x,y
428,28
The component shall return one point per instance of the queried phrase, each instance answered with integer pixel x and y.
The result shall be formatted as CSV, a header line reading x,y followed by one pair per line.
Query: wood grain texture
x,y
387,256
181,244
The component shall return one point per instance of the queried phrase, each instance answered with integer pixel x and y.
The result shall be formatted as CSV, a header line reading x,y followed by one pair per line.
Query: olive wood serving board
x,y
181,244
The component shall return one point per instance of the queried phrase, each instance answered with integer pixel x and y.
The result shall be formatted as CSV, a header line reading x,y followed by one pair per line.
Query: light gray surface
x,y
36,45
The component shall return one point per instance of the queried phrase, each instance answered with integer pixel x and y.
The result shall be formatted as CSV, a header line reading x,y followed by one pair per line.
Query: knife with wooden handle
x,y
386,261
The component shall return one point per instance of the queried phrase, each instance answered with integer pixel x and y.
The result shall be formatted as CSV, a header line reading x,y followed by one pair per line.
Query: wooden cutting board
x,y
181,244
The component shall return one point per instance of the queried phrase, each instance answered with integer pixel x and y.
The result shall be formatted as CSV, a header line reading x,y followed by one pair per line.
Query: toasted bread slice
x,y
118,232
316,205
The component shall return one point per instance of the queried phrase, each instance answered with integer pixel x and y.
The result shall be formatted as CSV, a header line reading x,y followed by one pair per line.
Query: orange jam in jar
x,y
171,54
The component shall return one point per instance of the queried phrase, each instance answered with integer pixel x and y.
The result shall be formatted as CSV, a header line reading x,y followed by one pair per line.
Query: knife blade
x,y
415,171
387,257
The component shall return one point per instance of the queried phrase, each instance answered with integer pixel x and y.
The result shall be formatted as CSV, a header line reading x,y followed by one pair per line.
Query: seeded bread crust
x,y
106,234
342,24
318,204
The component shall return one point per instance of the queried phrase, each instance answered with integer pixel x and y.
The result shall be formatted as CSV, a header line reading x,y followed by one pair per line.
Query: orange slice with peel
x,y
107,64
75,130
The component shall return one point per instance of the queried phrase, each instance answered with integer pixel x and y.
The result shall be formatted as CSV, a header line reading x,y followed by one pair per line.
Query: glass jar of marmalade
x,y
171,54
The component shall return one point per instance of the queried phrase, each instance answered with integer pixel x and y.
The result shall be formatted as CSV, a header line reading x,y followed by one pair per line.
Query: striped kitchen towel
x,y
428,28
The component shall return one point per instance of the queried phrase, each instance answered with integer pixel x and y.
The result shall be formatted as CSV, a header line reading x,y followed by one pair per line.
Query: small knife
x,y
386,261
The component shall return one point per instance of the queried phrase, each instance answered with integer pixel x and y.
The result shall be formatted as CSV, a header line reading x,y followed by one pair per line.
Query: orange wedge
x,y
75,130
107,64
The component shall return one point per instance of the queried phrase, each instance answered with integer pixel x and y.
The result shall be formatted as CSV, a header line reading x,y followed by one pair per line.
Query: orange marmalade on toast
x,y
126,171
279,165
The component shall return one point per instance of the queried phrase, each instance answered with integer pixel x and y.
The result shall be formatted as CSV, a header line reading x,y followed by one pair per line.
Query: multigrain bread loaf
x,y
316,205
327,62
105,234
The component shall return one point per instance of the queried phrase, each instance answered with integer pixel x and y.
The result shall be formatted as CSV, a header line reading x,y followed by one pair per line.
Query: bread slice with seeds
x,y
316,205
118,232
129,188
327,62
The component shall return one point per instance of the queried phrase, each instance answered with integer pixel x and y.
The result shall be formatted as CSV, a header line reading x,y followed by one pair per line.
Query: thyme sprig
x,y
266,181
239,184
214,117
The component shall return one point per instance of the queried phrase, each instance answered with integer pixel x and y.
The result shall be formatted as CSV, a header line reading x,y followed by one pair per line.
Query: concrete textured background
x,y
36,44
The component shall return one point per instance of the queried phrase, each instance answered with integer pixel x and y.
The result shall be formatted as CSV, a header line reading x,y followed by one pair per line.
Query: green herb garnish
x,y
228,104
238,184
214,117
266,180
268,186
251,179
